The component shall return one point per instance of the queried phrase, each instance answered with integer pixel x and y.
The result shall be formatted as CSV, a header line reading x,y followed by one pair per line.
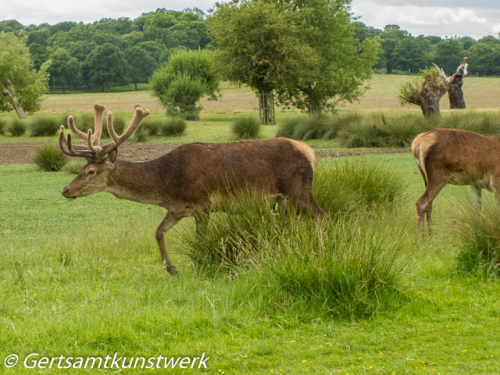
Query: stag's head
x,y
94,176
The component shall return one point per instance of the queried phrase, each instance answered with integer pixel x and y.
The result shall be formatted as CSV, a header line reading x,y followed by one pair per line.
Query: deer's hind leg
x,y
424,203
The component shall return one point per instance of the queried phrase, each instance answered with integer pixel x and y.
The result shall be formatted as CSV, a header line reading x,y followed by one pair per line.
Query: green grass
x,y
84,277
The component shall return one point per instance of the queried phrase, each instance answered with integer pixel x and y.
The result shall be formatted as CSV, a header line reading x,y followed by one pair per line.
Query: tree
x,y
258,45
180,83
342,64
22,87
390,37
448,52
455,83
64,70
107,67
426,92
141,63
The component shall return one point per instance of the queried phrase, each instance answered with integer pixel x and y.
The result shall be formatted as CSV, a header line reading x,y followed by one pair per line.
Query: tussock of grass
x,y
3,125
479,234
73,167
173,126
141,135
44,126
18,127
50,158
246,128
353,130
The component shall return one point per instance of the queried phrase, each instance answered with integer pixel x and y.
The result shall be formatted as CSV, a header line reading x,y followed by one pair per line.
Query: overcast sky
x,y
476,18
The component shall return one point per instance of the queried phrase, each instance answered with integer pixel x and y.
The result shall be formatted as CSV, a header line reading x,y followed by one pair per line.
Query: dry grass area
x,y
480,93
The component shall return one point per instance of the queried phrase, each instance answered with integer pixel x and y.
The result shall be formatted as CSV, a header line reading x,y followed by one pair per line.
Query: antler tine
x,y
139,114
71,124
67,147
98,112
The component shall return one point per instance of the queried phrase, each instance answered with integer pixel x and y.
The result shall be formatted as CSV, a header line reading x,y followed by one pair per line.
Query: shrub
x,y
311,127
50,158
18,127
346,268
337,123
479,234
351,183
141,134
3,124
173,126
44,126
245,128
484,123
361,135
153,126
73,167
287,128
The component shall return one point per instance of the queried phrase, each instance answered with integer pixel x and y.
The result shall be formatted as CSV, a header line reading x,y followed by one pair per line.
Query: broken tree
x,y
455,83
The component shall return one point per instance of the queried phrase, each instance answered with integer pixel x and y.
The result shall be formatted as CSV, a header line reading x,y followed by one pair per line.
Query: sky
x,y
475,18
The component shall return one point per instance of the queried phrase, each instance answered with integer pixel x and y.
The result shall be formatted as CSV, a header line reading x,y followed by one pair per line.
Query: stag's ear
x,y
112,155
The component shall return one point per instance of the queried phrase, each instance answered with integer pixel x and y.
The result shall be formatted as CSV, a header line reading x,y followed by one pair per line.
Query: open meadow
x,y
356,293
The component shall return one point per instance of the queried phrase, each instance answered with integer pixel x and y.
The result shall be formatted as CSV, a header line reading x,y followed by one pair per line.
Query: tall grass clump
x,y
18,127
479,234
287,128
153,126
173,126
349,184
344,268
246,128
44,126
73,167
484,123
311,127
50,158
141,134
337,123
364,134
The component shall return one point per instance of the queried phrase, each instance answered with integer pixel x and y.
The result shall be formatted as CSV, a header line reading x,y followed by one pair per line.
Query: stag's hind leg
x,y
167,223
424,203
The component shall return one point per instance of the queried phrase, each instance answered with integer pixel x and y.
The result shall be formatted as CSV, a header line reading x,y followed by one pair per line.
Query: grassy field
x,y
84,277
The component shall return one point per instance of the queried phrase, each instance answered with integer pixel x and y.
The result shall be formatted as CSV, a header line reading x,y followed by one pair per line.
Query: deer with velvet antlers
x,y
187,180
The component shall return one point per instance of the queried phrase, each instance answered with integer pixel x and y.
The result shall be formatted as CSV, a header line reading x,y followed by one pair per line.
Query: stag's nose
x,y
64,192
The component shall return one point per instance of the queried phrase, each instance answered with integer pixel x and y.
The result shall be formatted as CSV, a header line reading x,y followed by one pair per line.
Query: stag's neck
x,y
138,182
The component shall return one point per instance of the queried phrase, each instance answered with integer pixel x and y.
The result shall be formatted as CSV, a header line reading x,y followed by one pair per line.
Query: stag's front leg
x,y
167,223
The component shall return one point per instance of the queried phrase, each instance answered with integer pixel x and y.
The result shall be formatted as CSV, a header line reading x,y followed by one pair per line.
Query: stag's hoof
x,y
171,270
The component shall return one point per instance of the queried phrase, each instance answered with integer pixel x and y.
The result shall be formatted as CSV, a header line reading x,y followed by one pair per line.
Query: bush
x,y
311,127
479,234
3,124
44,126
245,128
287,128
18,127
50,158
73,167
337,123
346,268
361,135
351,184
140,135
152,126
173,126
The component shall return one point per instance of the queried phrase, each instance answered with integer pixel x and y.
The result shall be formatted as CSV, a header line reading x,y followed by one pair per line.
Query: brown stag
x,y
187,180
458,157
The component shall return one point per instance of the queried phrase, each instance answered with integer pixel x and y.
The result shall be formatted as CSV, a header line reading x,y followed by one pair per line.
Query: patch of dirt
x,y
23,153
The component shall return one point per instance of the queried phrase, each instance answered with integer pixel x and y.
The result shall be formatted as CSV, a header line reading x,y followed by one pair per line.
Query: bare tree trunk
x,y
455,93
15,103
313,106
266,108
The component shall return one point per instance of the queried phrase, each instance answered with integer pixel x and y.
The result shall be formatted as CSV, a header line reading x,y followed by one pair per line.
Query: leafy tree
x,y
408,55
182,82
22,87
426,92
64,70
107,67
467,42
259,46
342,64
484,58
141,63
449,52
39,54
11,26
390,38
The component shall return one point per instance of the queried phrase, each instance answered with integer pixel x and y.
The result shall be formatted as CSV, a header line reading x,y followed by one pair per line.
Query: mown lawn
x,y
84,278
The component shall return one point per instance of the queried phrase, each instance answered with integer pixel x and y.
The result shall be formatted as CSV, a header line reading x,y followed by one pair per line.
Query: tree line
x,y
401,51
110,52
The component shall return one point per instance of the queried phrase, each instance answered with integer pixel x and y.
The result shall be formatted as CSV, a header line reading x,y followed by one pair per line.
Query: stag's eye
x,y
91,172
